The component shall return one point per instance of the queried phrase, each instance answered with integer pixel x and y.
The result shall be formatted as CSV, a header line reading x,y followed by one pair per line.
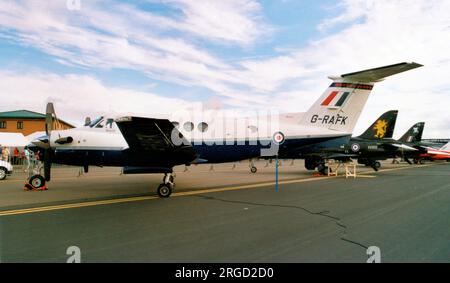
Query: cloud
x,y
176,48
113,35
385,32
79,96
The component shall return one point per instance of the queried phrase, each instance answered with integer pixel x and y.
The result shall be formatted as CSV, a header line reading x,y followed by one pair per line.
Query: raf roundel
x,y
355,147
278,137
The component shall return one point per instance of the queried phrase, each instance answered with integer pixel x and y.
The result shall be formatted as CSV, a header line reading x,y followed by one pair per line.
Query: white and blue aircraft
x,y
156,145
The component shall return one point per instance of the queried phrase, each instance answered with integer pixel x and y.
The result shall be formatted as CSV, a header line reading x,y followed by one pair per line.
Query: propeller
x,y
45,142
50,117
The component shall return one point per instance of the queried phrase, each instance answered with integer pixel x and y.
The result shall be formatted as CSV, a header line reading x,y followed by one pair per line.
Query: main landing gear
x,y
166,187
252,166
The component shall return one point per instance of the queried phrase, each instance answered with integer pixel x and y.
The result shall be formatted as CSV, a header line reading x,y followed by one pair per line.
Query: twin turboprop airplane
x,y
150,145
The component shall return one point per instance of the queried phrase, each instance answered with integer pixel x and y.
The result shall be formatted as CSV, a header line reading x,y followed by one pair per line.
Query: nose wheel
x,y
165,189
36,183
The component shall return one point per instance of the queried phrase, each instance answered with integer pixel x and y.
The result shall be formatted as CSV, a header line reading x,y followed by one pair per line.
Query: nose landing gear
x,y
166,187
36,183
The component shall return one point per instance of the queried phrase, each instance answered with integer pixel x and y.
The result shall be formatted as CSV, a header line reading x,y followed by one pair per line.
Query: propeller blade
x,y
50,118
49,113
47,164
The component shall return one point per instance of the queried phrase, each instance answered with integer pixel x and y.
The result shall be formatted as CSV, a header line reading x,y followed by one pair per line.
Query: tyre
x,y
3,173
253,169
164,190
377,164
37,181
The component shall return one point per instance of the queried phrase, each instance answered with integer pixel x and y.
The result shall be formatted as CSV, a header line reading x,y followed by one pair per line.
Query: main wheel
x,y
164,190
377,164
253,169
37,181
3,173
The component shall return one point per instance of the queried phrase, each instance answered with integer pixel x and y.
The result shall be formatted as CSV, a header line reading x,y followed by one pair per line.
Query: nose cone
x,y
42,142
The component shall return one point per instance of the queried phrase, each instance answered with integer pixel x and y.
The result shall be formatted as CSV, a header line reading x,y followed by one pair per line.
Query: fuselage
x,y
214,141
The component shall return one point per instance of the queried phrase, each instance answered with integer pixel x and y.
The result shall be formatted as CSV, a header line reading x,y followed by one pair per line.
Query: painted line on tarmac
x,y
400,168
180,194
135,199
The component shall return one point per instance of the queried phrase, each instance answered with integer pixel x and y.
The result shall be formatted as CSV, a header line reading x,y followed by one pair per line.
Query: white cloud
x,y
235,21
78,96
363,34
386,32
123,37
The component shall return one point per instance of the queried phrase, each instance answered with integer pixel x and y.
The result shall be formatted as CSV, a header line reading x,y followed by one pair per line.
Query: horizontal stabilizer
x,y
446,147
401,146
378,74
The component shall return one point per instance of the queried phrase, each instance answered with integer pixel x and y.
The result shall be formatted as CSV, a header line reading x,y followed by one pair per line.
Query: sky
x,y
159,56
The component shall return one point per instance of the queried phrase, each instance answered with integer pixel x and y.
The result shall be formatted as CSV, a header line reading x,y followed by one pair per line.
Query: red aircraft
x,y
437,154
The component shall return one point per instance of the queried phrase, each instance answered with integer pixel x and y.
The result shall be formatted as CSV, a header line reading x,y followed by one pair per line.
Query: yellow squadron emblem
x,y
380,128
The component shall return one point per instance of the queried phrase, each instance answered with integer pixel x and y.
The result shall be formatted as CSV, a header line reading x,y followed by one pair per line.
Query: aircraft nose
x,y
42,142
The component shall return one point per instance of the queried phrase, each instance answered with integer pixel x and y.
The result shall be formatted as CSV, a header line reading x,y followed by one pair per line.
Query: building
x,y
27,122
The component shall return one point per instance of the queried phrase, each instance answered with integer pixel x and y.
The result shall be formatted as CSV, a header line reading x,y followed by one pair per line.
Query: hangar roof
x,y
21,114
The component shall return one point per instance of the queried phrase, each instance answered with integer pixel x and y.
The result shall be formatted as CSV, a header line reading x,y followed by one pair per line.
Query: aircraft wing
x,y
377,74
151,140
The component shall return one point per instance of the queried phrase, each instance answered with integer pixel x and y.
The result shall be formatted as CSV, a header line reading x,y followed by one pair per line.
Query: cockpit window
x,y
109,123
97,123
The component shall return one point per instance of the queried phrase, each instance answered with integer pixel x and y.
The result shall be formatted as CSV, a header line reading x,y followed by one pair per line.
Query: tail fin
x,y
382,128
446,147
414,134
341,104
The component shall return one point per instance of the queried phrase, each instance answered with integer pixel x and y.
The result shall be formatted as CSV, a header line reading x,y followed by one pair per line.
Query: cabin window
x,y
20,125
2,124
176,124
188,126
202,127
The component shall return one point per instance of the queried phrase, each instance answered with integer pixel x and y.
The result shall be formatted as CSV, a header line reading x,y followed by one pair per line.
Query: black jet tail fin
x,y
382,128
414,134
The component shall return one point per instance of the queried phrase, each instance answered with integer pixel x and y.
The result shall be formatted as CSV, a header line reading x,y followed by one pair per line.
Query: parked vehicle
x,y
5,169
